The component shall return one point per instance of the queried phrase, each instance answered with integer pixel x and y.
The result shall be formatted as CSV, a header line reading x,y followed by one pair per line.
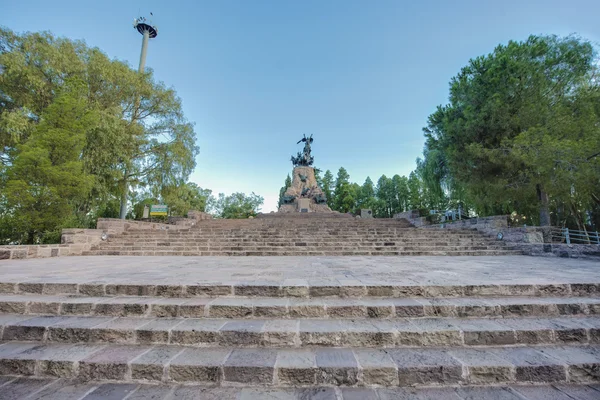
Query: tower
x,y
149,31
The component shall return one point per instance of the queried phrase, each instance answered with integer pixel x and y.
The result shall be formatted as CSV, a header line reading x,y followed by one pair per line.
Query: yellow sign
x,y
158,210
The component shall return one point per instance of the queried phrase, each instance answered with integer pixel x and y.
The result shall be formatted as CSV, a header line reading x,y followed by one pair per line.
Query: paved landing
x,y
499,270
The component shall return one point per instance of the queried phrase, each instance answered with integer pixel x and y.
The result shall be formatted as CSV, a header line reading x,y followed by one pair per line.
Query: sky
x,y
254,75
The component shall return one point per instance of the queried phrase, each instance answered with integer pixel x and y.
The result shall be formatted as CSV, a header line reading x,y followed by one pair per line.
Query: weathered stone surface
x,y
250,366
484,368
583,362
120,330
198,365
112,391
377,368
426,367
74,329
296,367
336,367
241,333
486,333
205,393
151,392
151,365
310,308
30,329
280,333
492,393
110,363
196,308
196,332
533,366
230,308
359,394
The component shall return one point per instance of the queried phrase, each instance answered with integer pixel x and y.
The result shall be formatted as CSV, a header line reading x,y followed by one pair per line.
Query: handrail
x,y
572,235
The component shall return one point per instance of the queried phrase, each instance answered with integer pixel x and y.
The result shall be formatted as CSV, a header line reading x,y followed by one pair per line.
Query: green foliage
x,y
77,131
327,185
237,205
344,194
518,131
287,184
47,177
186,197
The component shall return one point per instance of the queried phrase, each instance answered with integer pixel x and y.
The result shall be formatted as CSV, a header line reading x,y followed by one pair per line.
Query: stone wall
x,y
114,226
75,241
532,240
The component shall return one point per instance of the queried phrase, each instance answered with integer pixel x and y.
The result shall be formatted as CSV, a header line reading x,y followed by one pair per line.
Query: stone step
x,y
294,234
300,333
294,288
302,253
284,368
32,388
311,241
292,247
265,307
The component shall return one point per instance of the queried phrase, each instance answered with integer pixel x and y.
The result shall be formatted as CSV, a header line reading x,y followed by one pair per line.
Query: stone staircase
x,y
302,236
261,341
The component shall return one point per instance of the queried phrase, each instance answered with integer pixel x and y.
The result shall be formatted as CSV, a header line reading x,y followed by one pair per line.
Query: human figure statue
x,y
304,159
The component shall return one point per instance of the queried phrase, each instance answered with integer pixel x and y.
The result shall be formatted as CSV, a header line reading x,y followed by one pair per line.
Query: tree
x,y
238,205
327,186
286,185
138,137
415,196
343,194
48,176
186,197
498,140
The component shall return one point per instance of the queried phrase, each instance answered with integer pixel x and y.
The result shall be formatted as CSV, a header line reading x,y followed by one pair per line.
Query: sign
x,y
158,209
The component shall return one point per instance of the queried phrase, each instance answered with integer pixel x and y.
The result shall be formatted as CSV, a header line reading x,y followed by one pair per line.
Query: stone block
x,y
377,368
197,332
198,365
156,331
32,329
309,308
120,330
427,367
209,290
110,363
336,367
241,333
74,329
230,308
280,333
250,366
484,368
296,367
533,366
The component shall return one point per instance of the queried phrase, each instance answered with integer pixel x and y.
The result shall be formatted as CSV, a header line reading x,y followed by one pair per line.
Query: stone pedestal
x,y
304,194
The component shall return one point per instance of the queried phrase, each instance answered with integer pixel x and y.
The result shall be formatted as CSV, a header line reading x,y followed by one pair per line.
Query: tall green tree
x,y
343,194
286,185
237,205
327,185
47,177
138,139
498,140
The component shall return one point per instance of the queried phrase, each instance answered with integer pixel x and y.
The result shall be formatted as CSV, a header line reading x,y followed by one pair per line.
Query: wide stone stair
x,y
294,236
255,341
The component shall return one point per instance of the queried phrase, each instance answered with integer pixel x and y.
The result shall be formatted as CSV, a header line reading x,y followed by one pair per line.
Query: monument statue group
x,y
304,195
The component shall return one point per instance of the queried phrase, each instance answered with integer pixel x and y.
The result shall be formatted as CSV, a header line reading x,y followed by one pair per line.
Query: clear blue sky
x,y
361,76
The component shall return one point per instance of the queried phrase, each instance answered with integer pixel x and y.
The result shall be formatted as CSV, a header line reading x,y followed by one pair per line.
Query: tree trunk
x,y
544,211
124,193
